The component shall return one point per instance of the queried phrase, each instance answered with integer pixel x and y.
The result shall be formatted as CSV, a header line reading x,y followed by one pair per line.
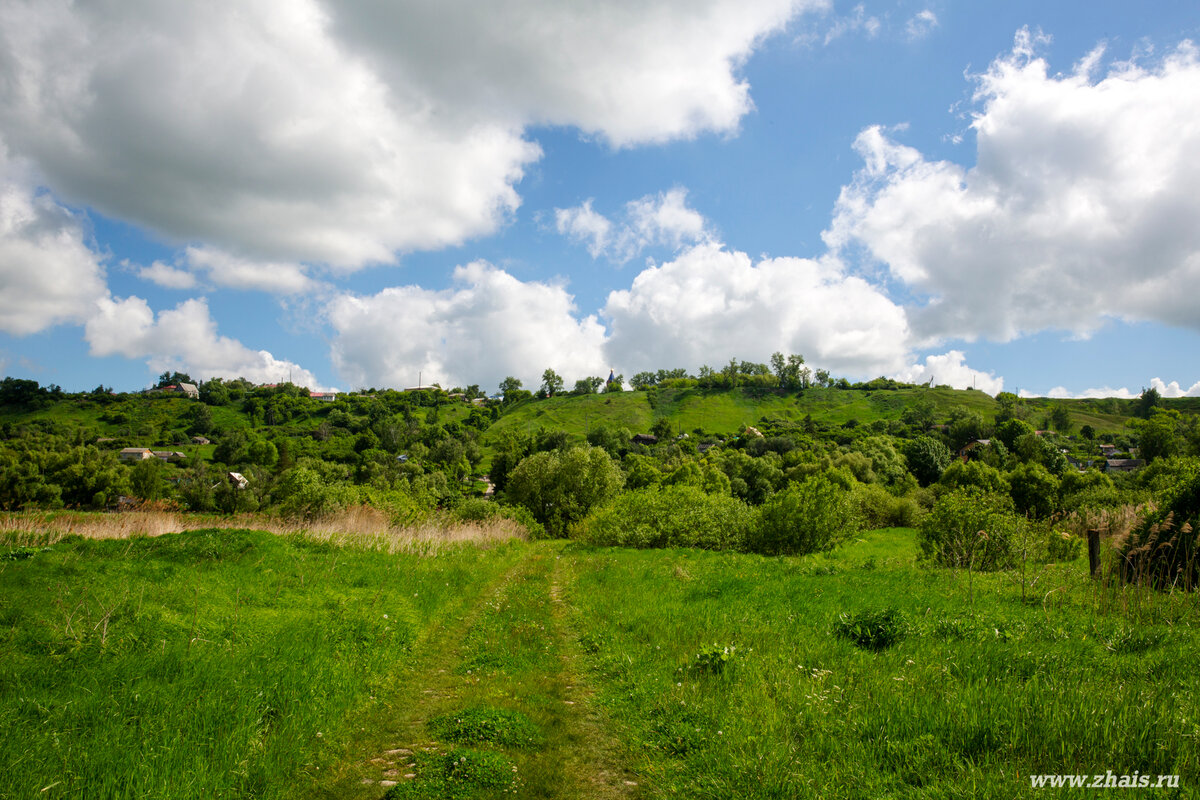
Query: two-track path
x,y
512,648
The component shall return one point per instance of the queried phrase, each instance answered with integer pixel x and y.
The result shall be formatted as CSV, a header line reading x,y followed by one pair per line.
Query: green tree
x,y
1147,402
552,384
1157,436
927,459
805,517
1060,418
560,487
1034,490
588,385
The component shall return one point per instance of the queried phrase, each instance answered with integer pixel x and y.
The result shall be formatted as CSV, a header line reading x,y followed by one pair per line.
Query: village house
x,y
135,454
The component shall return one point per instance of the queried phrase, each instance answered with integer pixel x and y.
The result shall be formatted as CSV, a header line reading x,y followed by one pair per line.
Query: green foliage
x,y
1164,550
975,475
710,660
804,518
877,508
872,629
971,530
1034,490
559,488
1011,430
487,725
927,458
670,516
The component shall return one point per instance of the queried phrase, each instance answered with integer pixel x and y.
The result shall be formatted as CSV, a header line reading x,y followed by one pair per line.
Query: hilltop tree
x,y
173,378
1147,402
552,384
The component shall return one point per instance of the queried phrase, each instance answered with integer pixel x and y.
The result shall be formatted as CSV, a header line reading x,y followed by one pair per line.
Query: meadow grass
x,y
978,692
211,663
339,664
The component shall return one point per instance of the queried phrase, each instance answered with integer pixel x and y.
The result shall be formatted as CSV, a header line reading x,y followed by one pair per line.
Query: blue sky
x,y
998,194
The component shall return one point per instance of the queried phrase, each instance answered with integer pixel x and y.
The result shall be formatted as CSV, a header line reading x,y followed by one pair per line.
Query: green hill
x,y
724,411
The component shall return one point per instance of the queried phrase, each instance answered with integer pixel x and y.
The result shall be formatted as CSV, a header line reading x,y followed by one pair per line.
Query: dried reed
x,y
359,526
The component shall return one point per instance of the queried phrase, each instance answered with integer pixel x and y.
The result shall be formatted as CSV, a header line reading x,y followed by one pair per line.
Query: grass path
x,y
508,657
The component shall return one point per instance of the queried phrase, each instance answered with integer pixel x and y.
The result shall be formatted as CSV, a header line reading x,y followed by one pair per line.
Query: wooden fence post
x,y
1093,537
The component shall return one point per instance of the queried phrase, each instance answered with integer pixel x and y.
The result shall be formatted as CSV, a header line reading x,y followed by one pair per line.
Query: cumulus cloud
x,y
663,220
487,326
1172,389
167,276
343,133
711,304
921,25
48,273
1081,206
184,338
950,369
227,270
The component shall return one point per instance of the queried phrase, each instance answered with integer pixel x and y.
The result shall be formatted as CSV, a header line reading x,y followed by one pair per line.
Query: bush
x,y
668,516
878,508
560,487
972,530
805,517
872,629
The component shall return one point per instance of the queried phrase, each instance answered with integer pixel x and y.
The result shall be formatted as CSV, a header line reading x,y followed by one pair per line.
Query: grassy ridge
x,y
723,411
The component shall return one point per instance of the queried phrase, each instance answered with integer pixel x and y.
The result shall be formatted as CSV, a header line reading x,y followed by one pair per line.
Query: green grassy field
x,y
723,411
243,664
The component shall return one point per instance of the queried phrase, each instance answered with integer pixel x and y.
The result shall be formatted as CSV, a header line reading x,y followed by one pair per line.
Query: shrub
x,y
971,530
805,517
927,458
669,516
561,487
872,629
878,508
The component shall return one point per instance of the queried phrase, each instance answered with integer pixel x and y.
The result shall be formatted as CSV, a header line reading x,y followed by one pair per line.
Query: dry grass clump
x,y
358,526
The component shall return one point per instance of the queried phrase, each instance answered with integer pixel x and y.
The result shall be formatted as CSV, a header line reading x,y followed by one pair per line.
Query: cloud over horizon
x,y
1081,207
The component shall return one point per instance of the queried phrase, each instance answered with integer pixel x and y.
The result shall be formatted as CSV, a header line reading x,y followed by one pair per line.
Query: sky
x,y
998,194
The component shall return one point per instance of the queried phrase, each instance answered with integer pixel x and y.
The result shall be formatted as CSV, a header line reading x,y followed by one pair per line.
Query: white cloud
x,y
224,269
858,20
662,220
184,338
583,224
711,304
1172,389
921,25
343,133
48,273
950,369
168,277
1081,207
488,326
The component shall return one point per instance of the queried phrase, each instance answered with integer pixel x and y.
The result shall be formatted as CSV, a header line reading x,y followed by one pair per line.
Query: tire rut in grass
x,y
503,710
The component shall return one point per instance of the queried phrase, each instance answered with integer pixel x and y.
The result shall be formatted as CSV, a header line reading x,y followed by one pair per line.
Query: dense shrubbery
x,y
670,516
972,530
560,487
805,517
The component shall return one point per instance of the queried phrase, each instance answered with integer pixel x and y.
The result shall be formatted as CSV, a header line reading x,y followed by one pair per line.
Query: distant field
x,y
245,664
723,411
